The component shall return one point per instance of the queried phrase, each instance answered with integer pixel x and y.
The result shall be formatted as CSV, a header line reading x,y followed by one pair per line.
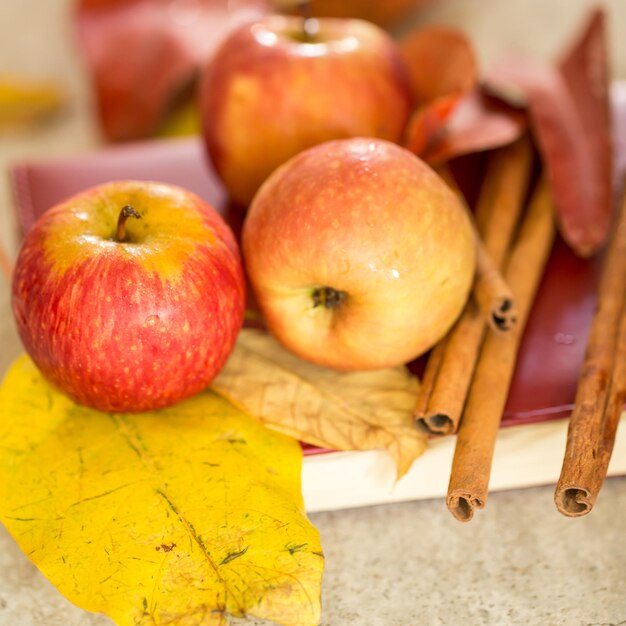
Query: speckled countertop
x,y
518,562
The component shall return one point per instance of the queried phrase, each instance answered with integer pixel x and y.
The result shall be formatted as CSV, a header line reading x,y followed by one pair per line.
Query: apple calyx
x,y
126,212
310,30
328,297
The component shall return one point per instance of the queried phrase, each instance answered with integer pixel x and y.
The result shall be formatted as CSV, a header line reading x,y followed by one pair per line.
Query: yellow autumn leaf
x,y
182,516
25,103
323,407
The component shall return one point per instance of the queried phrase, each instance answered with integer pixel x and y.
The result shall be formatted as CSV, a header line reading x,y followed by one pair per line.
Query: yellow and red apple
x,y
129,296
360,256
283,84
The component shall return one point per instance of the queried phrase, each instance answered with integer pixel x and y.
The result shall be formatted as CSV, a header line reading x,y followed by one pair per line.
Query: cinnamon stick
x,y
600,392
497,215
471,466
616,400
493,296
429,379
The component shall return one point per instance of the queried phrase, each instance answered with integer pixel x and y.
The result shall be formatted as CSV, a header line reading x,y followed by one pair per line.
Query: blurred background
x,y
39,43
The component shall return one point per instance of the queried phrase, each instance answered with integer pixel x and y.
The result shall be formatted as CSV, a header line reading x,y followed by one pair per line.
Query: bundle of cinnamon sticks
x,y
468,375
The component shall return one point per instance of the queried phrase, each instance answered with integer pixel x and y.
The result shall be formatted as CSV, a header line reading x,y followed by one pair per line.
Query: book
x,y
531,442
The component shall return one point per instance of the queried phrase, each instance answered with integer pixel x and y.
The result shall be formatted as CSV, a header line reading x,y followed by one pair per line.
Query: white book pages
x,y
525,456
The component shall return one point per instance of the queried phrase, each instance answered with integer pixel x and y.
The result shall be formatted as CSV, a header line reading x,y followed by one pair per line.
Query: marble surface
x,y
518,562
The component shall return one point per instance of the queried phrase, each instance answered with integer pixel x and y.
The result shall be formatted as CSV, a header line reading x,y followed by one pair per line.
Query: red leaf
x,y
440,61
143,54
477,123
426,125
569,110
442,70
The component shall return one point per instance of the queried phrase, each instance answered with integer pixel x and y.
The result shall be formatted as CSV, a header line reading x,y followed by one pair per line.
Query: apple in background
x,y
283,84
382,12
129,296
360,256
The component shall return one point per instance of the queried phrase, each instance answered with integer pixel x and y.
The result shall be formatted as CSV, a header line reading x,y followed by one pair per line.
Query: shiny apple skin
x,y
266,96
137,325
368,219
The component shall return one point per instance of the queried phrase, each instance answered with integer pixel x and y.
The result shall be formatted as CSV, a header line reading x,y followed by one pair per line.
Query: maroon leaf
x,y
585,69
144,54
569,111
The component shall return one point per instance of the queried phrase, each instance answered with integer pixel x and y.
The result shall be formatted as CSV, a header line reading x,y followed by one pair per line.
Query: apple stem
x,y
328,297
126,212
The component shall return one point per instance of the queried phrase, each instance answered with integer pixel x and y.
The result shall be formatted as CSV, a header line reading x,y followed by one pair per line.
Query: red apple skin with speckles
x,y
267,94
359,255
132,325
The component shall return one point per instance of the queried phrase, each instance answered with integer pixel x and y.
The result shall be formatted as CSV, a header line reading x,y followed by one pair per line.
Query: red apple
x,y
129,296
359,254
273,90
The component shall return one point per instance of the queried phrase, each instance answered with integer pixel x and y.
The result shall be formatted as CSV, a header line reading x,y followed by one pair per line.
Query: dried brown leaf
x,y
323,407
